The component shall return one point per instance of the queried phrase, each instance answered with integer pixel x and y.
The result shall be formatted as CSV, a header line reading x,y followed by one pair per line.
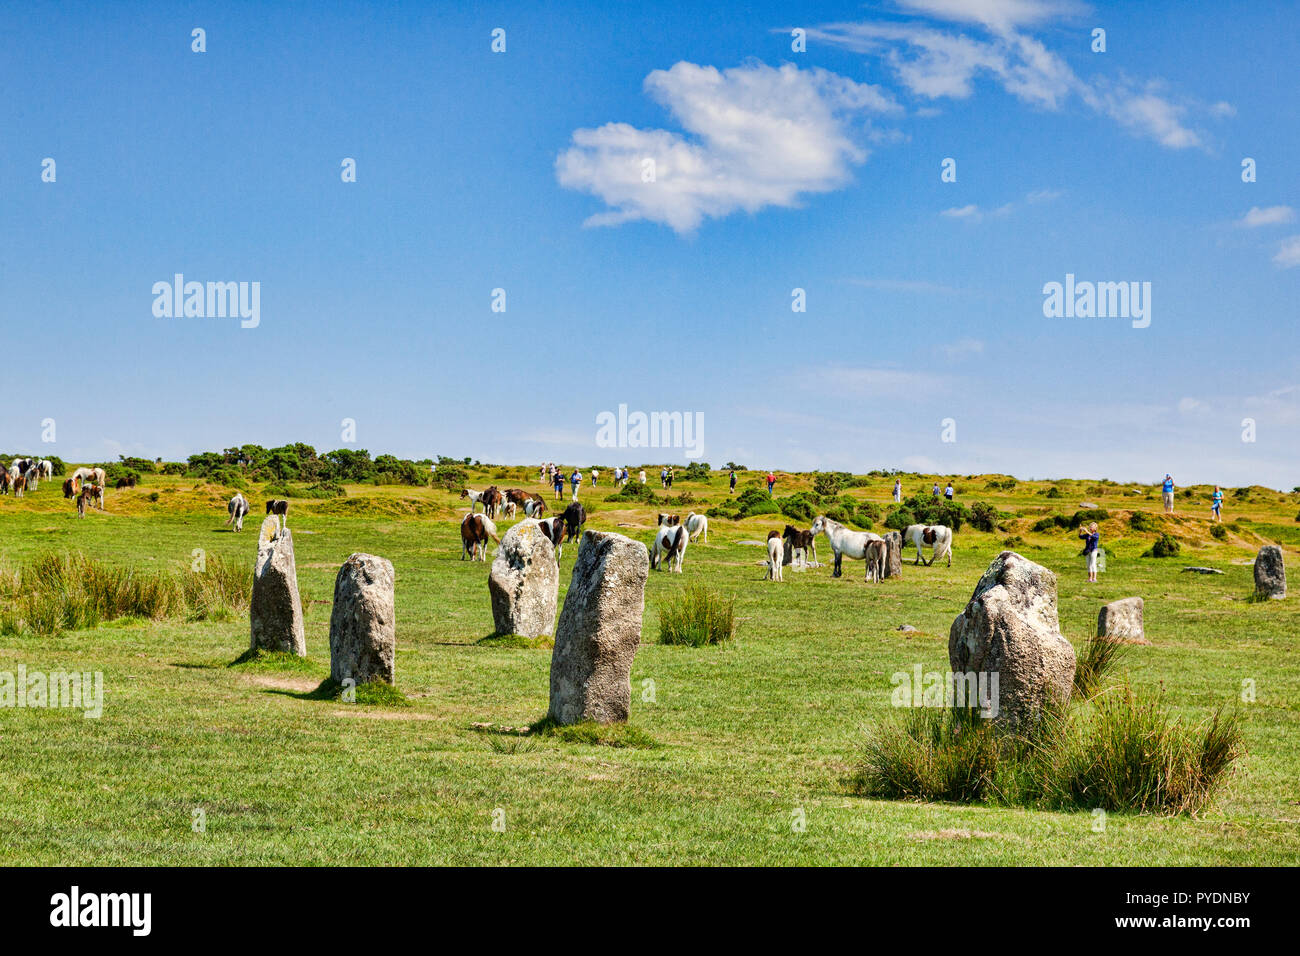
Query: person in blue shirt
x,y
575,479
1168,490
558,481
948,492
1216,504
1090,540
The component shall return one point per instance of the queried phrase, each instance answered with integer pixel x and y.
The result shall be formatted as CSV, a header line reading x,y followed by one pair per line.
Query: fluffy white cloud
x,y
1268,216
755,136
1288,253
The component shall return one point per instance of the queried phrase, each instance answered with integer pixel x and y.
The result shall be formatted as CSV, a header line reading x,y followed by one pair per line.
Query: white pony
x,y
475,498
937,536
238,508
697,525
670,546
843,541
775,558
96,475
47,468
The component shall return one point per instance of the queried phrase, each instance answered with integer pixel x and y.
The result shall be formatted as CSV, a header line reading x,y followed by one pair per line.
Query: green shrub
x,y
697,616
984,517
1166,546
899,518
1142,521
635,491
930,753
826,485
1218,532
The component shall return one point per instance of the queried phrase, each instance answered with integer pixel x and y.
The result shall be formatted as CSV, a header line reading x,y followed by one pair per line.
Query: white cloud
x,y
1188,405
871,382
963,348
996,14
970,212
1268,216
1288,253
755,136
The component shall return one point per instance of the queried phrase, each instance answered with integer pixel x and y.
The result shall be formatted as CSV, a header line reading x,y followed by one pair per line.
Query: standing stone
x,y
275,611
1270,573
1122,620
524,582
894,554
363,638
1010,628
599,630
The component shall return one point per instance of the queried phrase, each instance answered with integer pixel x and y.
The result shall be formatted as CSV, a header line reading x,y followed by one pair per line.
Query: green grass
x,y
696,617
744,738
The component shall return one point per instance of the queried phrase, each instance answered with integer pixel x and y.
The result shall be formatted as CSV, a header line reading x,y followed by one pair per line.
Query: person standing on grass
x,y
732,489
557,479
1168,490
670,477
949,492
935,490
575,479
643,476
663,477
1090,540
898,489
594,475
771,480
1216,505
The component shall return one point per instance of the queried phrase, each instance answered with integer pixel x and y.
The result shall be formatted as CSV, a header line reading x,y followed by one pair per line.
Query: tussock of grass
x,y
256,659
1094,663
371,693
696,617
57,592
590,732
542,641
930,753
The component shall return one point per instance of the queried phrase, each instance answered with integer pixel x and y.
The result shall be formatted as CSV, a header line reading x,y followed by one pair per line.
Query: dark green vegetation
x,y
725,742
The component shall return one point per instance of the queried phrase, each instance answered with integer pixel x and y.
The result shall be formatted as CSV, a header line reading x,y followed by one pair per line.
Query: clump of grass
x,y
57,592
372,693
1095,663
1142,521
930,754
590,732
256,659
542,641
697,616
1218,532
1166,546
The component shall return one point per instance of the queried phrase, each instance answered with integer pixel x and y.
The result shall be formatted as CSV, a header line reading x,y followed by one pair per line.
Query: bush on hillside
x,y
1166,546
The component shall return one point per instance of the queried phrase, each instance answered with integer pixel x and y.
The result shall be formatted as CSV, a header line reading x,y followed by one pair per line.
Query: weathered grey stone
x,y
275,611
1010,627
1122,620
894,554
524,582
363,635
1270,573
599,630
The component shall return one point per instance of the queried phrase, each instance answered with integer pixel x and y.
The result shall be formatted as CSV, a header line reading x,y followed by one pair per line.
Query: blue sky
x,y
776,170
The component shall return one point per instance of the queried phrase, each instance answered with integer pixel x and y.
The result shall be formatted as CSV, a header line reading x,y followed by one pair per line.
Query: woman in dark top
x,y
1090,538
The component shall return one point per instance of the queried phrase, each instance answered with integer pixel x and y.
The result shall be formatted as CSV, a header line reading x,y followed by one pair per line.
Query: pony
x,y
843,541
698,525
474,533
876,553
575,516
798,544
69,489
491,501
94,493
775,557
47,468
535,507
96,475
670,546
280,508
7,482
669,520
475,497
238,508
508,508
937,536
553,528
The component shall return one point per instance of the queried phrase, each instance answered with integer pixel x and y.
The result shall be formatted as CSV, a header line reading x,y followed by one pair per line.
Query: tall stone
x,y
1010,628
599,630
275,611
524,582
363,639
1270,573
894,554
1122,620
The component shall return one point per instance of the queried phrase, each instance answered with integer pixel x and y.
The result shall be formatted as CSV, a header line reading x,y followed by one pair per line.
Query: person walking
x,y
1167,490
670,477
1216,505
898,489
557,480
643,476
1090,540
663,477
732,489
594,475
949,492
935,490
771,480
575,479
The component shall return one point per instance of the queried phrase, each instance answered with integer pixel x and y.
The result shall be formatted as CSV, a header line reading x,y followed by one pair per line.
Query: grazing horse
x,y
518,496
475,497
94,493
47,468
237,508
69,489
698,525
96,475
280,508
775,556
798,544
669,520
81,500
937,536
6,482
491,501
575,516
670,546
553,528
508,508
535,507
876,554
474,533
843,541
32,477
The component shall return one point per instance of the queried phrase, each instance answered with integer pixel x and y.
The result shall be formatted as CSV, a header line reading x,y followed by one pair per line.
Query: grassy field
x,y
751,737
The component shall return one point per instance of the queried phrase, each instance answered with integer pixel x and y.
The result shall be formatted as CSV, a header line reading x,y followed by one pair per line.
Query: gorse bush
x,y
1166,546
696,617
1141,521
60,592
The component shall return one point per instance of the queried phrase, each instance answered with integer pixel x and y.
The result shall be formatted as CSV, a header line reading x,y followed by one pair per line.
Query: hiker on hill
x,y
1168,490
898,489
557,480
949,492
575,479
732,489
1216,505
1090,540
771,480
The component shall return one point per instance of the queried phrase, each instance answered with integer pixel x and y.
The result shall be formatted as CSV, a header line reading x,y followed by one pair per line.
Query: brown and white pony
x,y
491,501
553,528
797,546
670,546
475,530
